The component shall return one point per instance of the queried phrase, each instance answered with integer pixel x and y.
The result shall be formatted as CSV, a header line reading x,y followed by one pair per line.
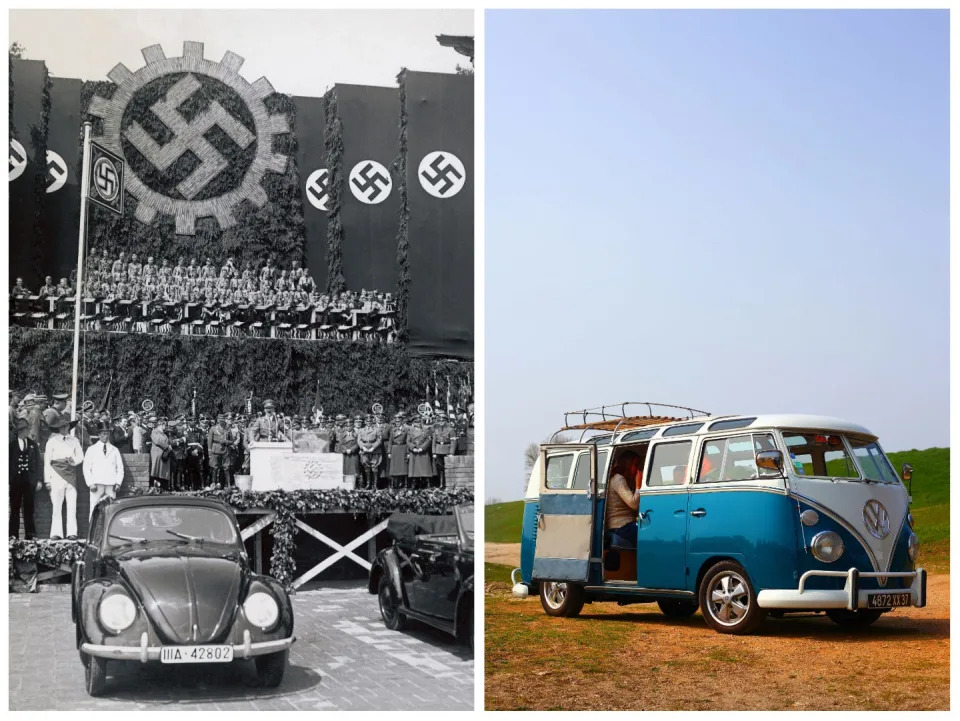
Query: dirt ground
x,y
633,657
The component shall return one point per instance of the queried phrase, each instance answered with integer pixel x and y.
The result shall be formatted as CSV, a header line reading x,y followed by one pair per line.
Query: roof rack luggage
x,y
627,415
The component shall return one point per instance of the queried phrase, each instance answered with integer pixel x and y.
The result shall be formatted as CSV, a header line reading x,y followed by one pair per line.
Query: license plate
x,y
196,654
888,600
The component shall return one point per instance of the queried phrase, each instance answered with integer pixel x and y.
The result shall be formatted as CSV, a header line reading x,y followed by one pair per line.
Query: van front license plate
x,y
196,654
888,600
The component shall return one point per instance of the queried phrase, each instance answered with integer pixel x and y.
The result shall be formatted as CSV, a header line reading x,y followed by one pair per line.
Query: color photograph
x,y
716,367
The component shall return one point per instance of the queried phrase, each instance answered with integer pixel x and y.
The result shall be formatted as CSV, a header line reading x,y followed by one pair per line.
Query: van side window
x,y
668,467
602,457
581,474
734,459
558,470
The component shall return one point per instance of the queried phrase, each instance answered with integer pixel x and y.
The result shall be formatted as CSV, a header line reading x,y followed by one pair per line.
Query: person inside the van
x,y
623,500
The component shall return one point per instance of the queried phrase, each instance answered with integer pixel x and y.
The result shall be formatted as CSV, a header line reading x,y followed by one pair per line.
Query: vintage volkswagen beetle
x,y
427,573
166,578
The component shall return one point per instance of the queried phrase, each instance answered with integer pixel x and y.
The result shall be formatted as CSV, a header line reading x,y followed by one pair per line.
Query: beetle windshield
x,y
170,523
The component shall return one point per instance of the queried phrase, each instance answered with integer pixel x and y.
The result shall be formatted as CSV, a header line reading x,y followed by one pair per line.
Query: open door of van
x,y
568,487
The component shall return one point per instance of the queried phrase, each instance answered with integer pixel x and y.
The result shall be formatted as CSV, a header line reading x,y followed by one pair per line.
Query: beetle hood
x,y
190,594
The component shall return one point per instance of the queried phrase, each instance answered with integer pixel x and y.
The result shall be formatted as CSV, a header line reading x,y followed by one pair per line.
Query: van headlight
x,y
261,610
117,612
910,520
826,546
913,544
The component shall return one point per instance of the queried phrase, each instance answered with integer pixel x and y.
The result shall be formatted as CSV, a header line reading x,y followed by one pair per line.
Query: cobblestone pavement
x,y
344,658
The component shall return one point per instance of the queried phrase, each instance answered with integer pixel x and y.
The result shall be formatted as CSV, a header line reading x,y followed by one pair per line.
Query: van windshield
x,y
825,455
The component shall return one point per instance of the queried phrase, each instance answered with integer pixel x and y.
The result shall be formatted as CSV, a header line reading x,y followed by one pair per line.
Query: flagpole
x,y
84,190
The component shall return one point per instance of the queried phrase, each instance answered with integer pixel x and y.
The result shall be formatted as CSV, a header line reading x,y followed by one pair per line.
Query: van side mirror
x,y
770,461
906,473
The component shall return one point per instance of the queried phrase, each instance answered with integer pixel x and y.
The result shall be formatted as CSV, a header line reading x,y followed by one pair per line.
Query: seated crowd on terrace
x,y
124,295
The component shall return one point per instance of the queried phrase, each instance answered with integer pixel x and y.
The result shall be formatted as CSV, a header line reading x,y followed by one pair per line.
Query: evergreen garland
x,y
224,371
333,144
39,135
375,505
403,215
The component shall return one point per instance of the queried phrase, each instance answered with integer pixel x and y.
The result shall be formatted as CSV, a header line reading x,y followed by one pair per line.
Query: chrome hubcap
x,y
728,598
555,594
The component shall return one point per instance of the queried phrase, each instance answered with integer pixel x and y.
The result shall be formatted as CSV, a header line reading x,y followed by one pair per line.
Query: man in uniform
x,y
194,459
397,469
178,444
441,449
419,442
371,454
26,468
59,404
217,447
384,429
120,435
269,427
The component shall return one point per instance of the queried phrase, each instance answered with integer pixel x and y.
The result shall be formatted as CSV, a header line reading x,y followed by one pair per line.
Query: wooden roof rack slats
x,y
616,417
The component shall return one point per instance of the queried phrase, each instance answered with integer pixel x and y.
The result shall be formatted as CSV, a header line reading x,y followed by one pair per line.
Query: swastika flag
x,y
106,179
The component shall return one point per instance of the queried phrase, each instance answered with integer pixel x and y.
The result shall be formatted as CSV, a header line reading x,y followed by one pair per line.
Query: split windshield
x,y
825,455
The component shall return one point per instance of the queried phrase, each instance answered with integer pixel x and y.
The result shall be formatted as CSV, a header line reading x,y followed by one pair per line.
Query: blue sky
x,y
738,211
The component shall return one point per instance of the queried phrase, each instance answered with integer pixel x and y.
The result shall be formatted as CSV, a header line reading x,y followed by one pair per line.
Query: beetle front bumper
x,y
144,653
851,597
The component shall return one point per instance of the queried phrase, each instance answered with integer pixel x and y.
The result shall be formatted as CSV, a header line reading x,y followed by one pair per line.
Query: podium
x,y
275,467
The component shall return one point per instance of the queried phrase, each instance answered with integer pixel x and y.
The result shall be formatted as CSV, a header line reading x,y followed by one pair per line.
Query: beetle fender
x,y
464,604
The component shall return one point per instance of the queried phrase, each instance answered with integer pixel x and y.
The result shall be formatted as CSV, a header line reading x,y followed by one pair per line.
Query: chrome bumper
x,y
851,597
144,653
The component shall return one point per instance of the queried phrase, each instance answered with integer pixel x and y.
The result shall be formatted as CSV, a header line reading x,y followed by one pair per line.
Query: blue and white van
x,y
739,516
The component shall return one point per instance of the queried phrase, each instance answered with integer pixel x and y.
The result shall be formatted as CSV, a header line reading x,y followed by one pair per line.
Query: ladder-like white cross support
x,y
341,551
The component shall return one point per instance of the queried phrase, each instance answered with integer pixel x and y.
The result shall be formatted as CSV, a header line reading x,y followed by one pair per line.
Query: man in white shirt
x,y
61,457
102,467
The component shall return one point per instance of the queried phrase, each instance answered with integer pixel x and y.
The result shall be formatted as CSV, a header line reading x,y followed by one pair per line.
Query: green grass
x,y
930,507
496,572
503,522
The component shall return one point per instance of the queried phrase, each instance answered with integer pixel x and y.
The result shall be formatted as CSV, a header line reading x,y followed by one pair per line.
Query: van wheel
x,y
853,619
677,608
728,601
560,598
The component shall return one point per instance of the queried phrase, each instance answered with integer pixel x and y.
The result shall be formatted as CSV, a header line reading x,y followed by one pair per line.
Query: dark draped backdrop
x,y
47,113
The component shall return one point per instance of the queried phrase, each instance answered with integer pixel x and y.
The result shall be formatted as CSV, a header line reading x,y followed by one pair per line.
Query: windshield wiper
x,y
131,539
185,536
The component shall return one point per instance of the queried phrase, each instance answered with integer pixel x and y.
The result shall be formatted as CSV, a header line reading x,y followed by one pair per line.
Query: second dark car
x,y
427,573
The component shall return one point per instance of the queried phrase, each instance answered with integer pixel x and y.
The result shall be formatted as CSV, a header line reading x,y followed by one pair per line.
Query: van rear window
x,y
731,424
558,470
683,430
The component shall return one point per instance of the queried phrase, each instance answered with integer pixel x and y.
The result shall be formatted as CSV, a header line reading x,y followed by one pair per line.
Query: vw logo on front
x,y
876,519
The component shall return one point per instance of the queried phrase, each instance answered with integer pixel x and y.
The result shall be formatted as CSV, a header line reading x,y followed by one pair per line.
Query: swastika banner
x,y
106,178
314,178
440,183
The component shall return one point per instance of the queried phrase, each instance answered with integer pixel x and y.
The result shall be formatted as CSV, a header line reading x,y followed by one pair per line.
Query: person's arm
x,y
88,468
631,498
117,469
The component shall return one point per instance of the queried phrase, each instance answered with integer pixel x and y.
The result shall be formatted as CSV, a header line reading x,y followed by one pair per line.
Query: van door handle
x,y
699,512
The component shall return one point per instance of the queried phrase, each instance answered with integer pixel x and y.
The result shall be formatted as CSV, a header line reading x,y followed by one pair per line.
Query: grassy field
x,y
930,507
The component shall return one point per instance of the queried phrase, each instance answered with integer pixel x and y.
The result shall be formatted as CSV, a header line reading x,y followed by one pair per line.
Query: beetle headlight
x,y
913,544
261,609
117,612
826,546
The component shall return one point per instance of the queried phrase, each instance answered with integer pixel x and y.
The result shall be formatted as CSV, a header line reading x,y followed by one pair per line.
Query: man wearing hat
x,y
102,467
371,454
176,433
350,449
217,446
61,456
160,453
419,443
33,412
441,449
398,452
268,428
25,479
120,435
193,463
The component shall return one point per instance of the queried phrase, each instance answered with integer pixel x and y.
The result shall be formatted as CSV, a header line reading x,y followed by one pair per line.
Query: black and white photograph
x,y
241,360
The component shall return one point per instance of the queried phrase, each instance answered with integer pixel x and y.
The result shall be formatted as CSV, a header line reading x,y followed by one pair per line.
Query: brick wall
x,y
460,472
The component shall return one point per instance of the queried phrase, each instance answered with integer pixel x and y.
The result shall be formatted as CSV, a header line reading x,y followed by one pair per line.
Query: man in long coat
x,y
419,442
397,469
371,453
160,453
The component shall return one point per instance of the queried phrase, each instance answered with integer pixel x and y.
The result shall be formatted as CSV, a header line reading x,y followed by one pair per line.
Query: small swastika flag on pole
x,y
106,178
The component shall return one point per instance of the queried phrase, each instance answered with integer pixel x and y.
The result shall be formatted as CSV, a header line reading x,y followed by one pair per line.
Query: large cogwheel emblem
x,y
196,136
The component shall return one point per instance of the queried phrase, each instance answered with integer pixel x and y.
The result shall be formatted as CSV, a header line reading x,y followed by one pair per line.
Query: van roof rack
x,y
617,417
